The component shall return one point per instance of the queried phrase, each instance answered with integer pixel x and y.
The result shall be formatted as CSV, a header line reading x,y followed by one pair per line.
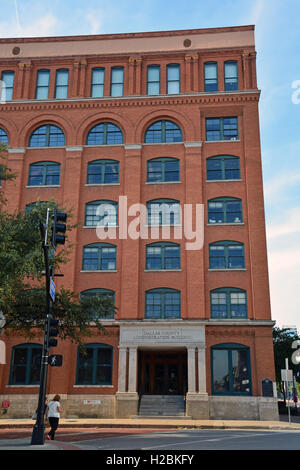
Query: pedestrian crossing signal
x,y
55,360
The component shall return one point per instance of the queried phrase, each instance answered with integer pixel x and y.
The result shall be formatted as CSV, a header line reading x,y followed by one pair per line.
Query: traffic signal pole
x,y
38,434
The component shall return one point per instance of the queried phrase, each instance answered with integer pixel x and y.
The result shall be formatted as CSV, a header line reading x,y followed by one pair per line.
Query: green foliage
x,y
282,342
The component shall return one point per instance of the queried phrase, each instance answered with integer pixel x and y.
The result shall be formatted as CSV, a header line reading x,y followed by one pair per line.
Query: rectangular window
x,y
153,80
231,76
42,85
61,85
173,79
117,81
7,89
222,128
97,86
211,76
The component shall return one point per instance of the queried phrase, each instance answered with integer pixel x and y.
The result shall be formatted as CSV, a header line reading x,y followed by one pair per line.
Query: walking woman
x,y
54,410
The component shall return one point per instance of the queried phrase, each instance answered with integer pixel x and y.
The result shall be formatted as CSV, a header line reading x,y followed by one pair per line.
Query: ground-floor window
x,y
231,374
94,364
25,364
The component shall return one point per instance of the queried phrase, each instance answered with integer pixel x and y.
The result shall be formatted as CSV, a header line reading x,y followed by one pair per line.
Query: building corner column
x,y
127,400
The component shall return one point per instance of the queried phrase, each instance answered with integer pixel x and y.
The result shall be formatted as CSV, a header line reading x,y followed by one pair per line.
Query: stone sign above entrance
x,y
158,335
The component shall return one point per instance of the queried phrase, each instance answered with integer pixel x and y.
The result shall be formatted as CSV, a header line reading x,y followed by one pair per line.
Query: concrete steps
x,y
164,406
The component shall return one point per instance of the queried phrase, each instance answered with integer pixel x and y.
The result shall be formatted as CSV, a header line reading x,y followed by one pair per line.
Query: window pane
x,y
153,305
108,260
85,367
211,80
231,76
240,371
61,88
234,212
232,168
3,136
155,171
111,174
214,169
8,79
153,86
36,175
42,85
220,371
172,257
235,256
217,257
90,259
36,357
218,305
238,305
215,212
213,131
97,83
171,171
117,80
172,305
154,258
173,79
230,128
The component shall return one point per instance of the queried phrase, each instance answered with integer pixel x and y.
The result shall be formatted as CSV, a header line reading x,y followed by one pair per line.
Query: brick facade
x,y
133,113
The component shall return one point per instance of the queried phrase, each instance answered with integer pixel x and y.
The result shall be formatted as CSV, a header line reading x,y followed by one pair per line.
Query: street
x,y
155,440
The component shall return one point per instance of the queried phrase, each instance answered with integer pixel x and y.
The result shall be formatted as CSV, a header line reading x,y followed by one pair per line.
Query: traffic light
x,y
55,360
53,332
58,228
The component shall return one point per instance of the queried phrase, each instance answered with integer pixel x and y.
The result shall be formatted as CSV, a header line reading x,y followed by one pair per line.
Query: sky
x,y
277,36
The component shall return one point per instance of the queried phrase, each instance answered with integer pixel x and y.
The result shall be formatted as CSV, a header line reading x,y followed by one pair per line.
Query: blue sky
x,y
277,33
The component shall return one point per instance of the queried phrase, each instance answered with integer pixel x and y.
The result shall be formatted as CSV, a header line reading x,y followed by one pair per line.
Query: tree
x,y
22,279
282,342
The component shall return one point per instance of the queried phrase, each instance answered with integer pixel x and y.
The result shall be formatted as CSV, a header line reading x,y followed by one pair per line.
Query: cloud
x,y
281,183
289,225
95,21
45,25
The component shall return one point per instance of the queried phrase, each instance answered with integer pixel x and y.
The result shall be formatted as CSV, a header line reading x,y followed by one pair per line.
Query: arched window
x,y
101,213
163,170
224,210
94,364
228,302
47,136
163,212
230,369
163,132
163,255
44,174
105,133
106,296
103,172
226,255
163,303
25,364
223,167
3,137
99,257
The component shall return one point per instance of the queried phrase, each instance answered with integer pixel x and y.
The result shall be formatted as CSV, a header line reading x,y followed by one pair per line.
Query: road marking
x,y
200,440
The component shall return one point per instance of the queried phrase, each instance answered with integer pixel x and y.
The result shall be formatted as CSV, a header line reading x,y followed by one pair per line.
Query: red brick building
x,y
161,117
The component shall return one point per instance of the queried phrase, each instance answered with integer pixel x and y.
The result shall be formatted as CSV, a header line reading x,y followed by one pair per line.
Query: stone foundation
x,y
125,405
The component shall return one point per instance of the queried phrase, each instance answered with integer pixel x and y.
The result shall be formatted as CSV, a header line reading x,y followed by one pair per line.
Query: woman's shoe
x,y
48,437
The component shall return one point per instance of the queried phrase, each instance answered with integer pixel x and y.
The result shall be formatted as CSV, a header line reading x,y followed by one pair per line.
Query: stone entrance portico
x,y
161,336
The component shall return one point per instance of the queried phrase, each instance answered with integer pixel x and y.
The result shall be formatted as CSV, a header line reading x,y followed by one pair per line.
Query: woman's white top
x,y
53,407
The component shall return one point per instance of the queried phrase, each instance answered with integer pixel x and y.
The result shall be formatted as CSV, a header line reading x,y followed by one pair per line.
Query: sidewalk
x,y
159,423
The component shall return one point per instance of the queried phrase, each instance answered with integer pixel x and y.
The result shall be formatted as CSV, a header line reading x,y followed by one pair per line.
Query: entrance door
x,y
162,373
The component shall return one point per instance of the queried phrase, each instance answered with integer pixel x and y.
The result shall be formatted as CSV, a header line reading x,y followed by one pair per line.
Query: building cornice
x,y
131,101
